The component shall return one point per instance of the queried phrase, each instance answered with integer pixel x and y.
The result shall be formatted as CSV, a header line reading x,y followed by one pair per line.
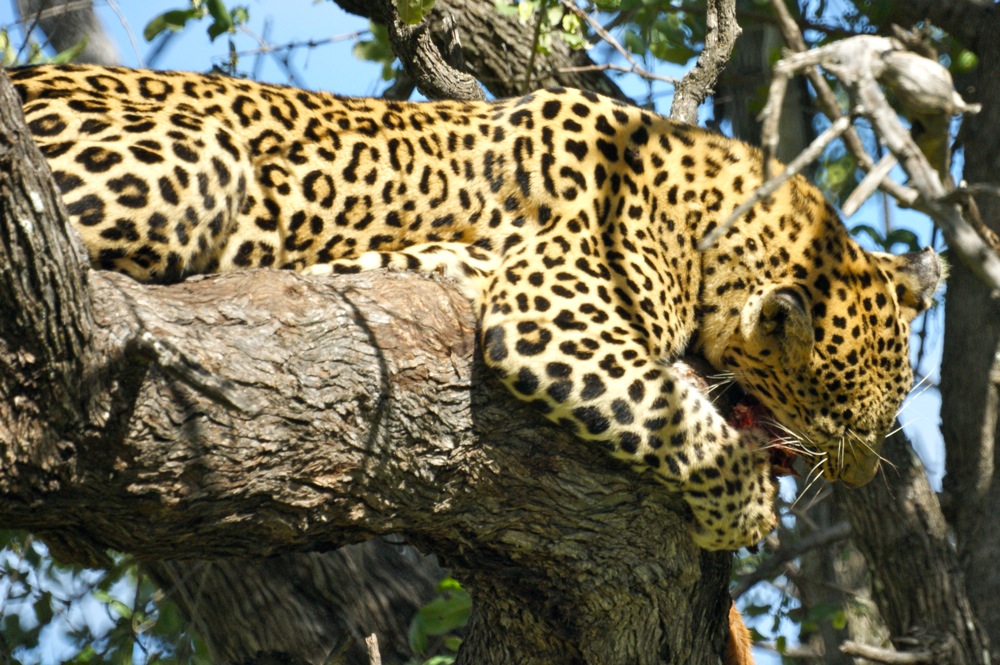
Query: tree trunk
x,y
917,584
970,373
970,370
357,590
250,414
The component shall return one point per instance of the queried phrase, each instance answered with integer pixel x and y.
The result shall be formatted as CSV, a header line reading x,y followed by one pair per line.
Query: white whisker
x,y
869,448
812,477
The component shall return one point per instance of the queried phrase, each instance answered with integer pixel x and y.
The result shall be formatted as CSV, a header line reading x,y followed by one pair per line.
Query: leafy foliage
x,y
413,11
222,19
441,618
377,49
35,54
44,603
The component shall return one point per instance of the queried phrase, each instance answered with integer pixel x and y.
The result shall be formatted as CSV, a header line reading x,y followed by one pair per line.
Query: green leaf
x,y
874,234
220,13
12,631
43,608
679,55
505,8
440,616
448,659
755,610
572,31
903,237
117,606
214,30
222,21
174,20
634,42
241,14
446,613
525,10
417,635
964,62
449,584
69,55
87,655
413,11
8,56
376,49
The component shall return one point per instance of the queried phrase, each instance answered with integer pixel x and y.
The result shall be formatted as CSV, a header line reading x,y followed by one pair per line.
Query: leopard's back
x,y
168,174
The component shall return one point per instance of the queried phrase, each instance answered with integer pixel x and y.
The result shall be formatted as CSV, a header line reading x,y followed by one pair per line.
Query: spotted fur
x,y
572,220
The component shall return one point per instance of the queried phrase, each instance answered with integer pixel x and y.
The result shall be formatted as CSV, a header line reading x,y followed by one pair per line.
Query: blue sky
x,y
330,67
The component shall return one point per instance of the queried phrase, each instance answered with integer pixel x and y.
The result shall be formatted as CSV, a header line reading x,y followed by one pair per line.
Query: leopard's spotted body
x,y
573,221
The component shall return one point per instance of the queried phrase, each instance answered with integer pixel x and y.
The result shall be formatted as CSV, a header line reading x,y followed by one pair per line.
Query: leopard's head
x,y
824,345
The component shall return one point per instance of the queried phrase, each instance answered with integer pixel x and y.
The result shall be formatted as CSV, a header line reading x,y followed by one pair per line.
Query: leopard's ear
x,y
779,320
916,276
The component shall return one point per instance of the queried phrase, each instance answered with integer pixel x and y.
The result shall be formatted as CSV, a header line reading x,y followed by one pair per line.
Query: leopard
x,y
574,223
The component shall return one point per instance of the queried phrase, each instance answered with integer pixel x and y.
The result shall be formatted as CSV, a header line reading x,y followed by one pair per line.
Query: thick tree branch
x,y
424,63
370,417
498,49
698,84
45,311
918,588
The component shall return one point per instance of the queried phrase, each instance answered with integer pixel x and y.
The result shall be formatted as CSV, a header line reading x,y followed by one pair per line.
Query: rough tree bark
x,y
498,49
970,373
364,414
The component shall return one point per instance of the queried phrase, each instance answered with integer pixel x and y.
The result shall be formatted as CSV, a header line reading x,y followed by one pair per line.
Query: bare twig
x,y
128,31
786,553
974,252
964,197
607,37
529,72
266,47
374,658
771,185
880,655
720,36
872,181
607,66
826,99
862,63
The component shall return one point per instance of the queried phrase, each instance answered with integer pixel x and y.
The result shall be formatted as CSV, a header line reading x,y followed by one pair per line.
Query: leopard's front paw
x,y
733,498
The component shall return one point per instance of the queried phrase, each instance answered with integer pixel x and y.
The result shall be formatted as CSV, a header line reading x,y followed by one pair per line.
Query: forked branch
x,y
863,64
